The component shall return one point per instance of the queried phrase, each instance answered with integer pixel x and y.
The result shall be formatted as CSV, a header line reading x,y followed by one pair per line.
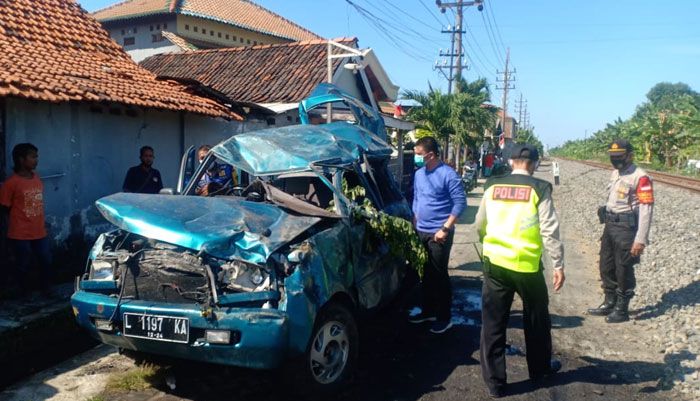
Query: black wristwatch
x,y
444,229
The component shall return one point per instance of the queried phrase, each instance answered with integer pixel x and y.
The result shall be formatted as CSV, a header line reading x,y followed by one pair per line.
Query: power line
x,y
401,10
430,11
493,17
478,47
473,64
402,29
380,25
492,40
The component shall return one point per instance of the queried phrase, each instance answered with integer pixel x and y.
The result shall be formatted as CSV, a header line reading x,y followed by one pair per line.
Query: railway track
x,y
679,181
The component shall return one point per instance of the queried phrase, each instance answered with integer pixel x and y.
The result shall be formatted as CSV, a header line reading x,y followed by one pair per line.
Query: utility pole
x,y
507,78
455,68
520,103
456,57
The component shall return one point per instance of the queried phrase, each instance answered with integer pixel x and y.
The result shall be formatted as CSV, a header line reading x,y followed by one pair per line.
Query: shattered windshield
x,y
296,148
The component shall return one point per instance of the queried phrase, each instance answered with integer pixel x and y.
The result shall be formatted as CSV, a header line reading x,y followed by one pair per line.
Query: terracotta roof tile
x,y
56,52
241,13
261,74
179,41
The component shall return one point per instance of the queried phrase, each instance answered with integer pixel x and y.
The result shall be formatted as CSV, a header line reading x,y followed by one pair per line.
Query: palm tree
x,y
434,114
459,117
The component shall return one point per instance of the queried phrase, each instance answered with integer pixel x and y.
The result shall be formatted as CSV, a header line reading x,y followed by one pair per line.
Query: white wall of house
x,y
84,155
142,35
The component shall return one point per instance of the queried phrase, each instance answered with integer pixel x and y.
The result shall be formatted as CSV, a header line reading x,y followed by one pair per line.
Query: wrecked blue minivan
x,y
270,270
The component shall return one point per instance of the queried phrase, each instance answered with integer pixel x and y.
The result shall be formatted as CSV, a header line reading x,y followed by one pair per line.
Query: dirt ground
x,y
400,361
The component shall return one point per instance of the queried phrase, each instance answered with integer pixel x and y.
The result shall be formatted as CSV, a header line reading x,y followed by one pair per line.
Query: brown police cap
x,y
619,147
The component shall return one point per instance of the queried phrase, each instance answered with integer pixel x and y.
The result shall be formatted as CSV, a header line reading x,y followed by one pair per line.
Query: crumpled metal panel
x,y
336,262
325,93
225,228
327,268
295,148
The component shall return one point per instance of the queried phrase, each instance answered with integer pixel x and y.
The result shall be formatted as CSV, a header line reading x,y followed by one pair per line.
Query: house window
x,y
241,40
211,33
195,29
129,41
187,27
227,36
219,34
234,38
248,41
157,37
204,31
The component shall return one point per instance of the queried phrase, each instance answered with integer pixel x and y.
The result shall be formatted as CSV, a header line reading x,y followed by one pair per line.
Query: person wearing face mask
x,y
627,218
515,221
438,200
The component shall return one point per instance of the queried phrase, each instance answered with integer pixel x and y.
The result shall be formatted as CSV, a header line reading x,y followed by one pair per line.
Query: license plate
x,y
154,327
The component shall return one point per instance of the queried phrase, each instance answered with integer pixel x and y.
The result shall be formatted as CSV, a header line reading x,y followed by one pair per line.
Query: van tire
x,y
331,355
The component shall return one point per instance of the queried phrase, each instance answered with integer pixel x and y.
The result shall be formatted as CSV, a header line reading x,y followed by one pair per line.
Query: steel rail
x,y
688,183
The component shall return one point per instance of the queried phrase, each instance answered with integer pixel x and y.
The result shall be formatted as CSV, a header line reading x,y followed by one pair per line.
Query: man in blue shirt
x,y
438,200
217,177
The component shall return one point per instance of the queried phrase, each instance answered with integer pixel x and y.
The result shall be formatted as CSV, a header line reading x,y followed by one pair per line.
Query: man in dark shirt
x,y
143,178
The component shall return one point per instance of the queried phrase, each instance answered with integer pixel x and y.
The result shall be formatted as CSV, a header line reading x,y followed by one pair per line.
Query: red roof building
x,y
66,87
140,25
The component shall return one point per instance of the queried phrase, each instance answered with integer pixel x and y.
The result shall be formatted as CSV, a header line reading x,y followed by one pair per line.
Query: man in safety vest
x,y
516,219
627,217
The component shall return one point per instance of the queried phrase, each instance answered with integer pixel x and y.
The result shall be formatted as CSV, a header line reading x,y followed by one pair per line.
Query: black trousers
x,y
499,287
616,261
437,289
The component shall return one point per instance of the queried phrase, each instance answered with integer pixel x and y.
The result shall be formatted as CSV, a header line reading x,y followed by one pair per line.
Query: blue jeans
x,y
23,250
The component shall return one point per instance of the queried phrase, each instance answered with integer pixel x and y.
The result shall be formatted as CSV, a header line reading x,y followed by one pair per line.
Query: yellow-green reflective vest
x,y
513,240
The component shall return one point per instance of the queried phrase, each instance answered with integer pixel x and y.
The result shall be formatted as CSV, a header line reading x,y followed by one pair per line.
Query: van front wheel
x,y
333,349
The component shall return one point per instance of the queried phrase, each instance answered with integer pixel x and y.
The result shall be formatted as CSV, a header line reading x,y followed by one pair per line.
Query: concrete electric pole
x,y
520,103
506,80
456,66
456,57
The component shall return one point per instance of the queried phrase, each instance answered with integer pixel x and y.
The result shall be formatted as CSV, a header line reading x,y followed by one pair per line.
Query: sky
x,y
578,64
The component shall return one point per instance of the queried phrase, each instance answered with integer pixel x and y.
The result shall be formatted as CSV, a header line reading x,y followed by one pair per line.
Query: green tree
x,y
434,114
460,117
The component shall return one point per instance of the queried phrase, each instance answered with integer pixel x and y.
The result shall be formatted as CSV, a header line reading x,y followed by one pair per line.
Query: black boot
x,y
606,307
620,312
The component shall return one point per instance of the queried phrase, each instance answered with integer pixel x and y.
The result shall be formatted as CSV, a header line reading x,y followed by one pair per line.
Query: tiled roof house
x,y
275,76
66,87
141,26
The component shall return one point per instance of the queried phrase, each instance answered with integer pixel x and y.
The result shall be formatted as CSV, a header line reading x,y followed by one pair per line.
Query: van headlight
x,y
102,270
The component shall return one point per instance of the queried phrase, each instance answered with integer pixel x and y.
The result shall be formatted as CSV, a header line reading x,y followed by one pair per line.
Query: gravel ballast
x,y
665,308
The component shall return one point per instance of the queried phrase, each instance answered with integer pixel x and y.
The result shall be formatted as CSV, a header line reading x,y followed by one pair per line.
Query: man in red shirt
x,y
488,164
21,195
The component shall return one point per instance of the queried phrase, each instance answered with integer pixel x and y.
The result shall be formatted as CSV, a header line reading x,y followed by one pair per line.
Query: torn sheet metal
x,y
226,228
326,93
296,148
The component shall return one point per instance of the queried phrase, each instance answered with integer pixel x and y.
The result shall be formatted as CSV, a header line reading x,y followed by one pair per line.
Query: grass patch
x,y
137,379
96,398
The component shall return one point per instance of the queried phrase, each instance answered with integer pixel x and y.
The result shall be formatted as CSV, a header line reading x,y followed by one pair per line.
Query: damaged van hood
x,y
225,228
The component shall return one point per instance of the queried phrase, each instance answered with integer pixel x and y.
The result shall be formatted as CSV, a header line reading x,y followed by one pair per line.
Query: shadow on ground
x,y
686,296
612,373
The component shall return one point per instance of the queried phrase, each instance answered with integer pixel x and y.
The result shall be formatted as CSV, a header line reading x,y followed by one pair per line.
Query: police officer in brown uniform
x,y
627,218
